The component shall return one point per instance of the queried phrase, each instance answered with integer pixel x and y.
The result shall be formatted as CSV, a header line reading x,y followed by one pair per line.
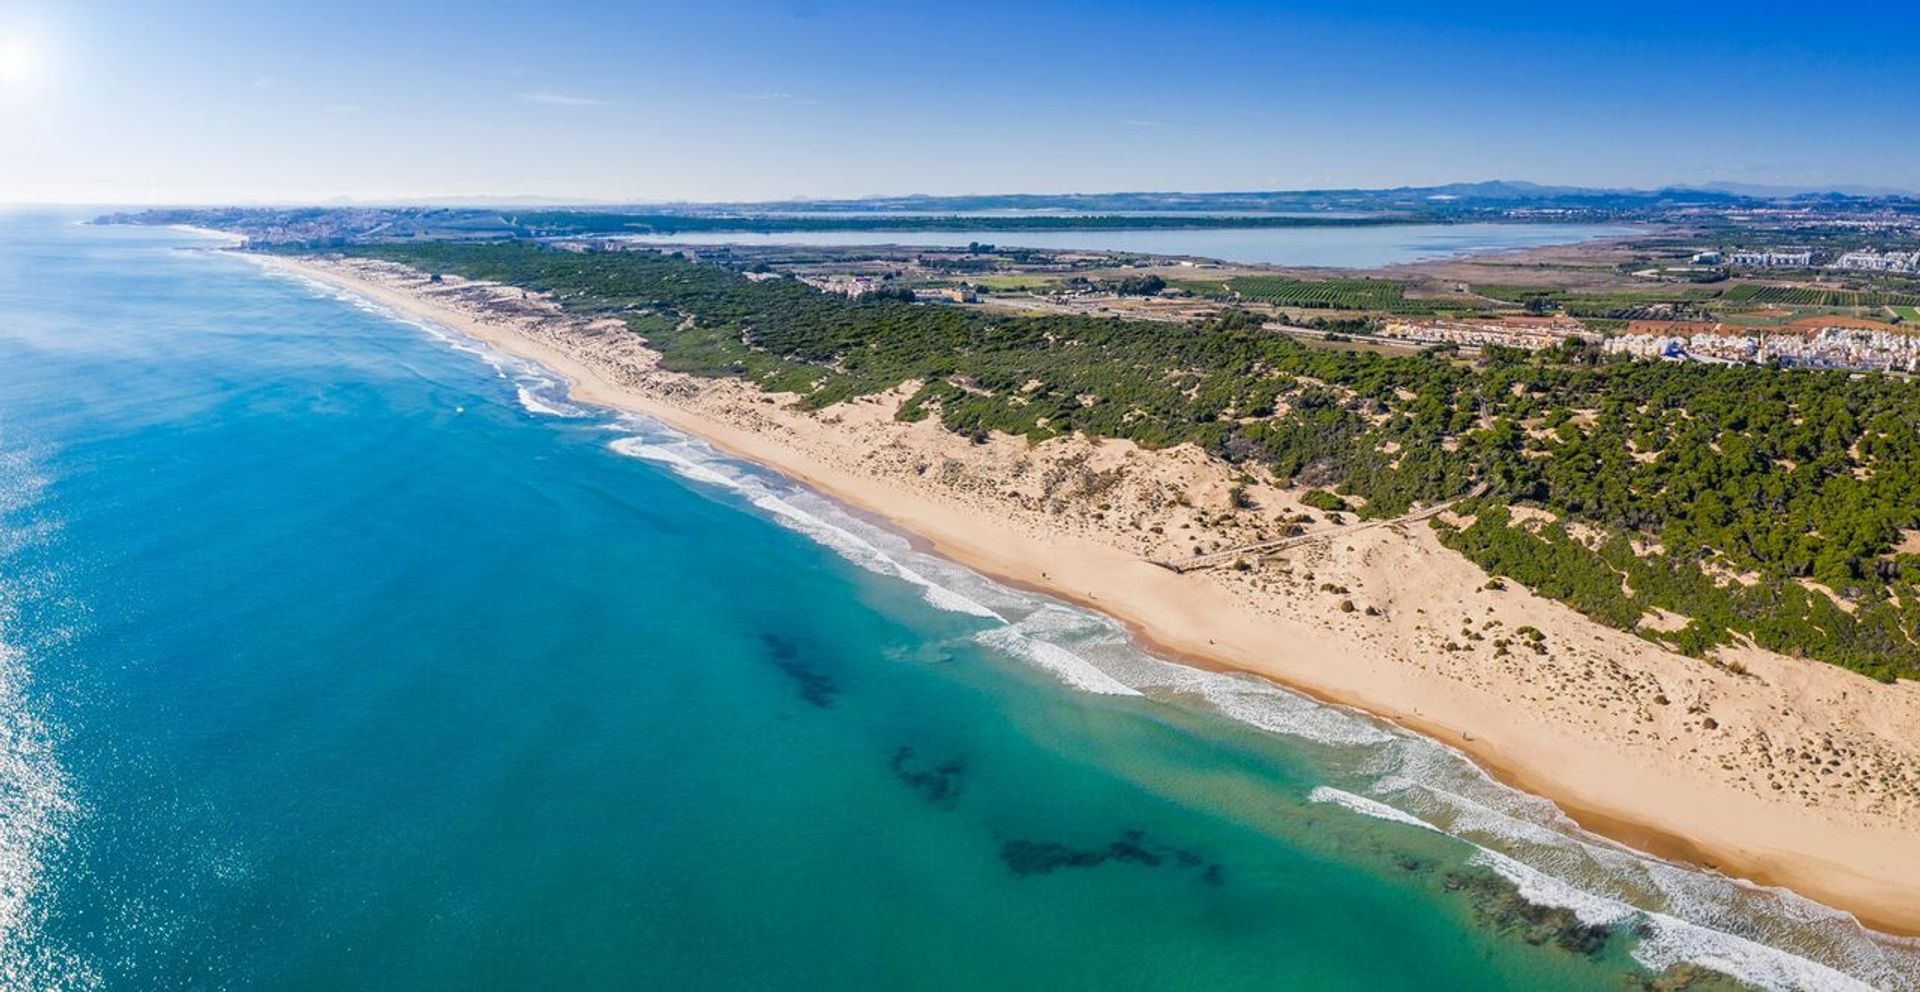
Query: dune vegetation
x,y
1761,504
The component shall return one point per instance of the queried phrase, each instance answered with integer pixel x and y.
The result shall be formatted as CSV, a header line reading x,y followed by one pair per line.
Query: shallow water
x,y
342,653
1343,247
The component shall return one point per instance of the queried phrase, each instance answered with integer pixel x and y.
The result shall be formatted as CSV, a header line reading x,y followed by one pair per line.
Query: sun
x,y
18,61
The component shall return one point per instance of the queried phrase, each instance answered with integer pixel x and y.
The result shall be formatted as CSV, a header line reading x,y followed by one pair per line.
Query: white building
x,y
1774,259
853,286
1531,333
1869,260
1824,347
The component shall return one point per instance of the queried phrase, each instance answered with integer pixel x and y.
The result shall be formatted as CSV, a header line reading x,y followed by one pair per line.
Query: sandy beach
x,y
1777,770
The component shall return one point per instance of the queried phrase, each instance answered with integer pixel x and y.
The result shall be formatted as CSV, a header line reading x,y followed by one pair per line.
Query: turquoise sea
x,y
339,653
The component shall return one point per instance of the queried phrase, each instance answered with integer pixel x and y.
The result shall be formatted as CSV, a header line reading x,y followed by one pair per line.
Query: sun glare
x,y
18,61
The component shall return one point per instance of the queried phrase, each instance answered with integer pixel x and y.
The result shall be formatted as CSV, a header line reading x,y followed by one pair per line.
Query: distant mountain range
x,y
1765,191
1515,188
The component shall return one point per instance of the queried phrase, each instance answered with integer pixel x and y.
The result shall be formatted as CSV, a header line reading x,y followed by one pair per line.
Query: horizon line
x,y
454,200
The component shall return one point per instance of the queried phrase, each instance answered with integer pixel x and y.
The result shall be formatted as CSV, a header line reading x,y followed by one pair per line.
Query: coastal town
x,y
1813,342
1816,342
1861,260
1787,307
1803,323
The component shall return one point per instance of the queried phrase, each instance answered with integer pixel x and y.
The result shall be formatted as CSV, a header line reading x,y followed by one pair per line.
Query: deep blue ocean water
x,y
338,653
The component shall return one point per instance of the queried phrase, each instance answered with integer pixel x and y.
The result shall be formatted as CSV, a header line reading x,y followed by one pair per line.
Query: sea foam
x,y
1019,640
836,530
1367,807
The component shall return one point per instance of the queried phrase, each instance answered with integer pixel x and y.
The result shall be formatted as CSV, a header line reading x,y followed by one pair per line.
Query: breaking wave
x,y
1367,807
1665,940
1027,640
797,510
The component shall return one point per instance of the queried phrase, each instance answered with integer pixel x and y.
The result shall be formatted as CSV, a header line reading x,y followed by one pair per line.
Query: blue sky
x,y
208,100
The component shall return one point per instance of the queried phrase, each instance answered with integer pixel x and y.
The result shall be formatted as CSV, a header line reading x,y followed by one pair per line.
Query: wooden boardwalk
x,y
1215,559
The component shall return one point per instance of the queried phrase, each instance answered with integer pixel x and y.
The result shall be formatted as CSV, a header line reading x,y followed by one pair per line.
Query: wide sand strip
x,y
1773,769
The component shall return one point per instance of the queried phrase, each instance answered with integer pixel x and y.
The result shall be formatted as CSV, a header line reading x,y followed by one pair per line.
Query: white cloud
x,y
552,99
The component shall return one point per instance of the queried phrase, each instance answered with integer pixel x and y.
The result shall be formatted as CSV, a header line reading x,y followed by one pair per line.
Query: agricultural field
x,y
1630,304
1771,318
1596,298
1015,282
1907,315
1335,294
1806,296
1734,295
1201,287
